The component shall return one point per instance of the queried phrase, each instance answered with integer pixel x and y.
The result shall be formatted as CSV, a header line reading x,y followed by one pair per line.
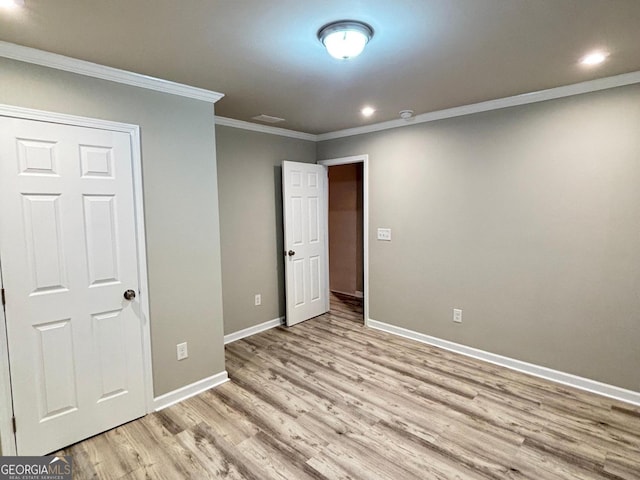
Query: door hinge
x,y
13,423
3,300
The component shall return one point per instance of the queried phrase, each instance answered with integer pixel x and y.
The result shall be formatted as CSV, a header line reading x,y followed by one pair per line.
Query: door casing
x,y
7,437
364,159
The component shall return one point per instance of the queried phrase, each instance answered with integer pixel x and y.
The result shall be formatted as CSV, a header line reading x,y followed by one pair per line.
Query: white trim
x,y
523,99
247,332
143,286
65,119
344,160
359,294
325,214
188,391
82,67
255,127
143,279
7,438
364,159
89,69
556,376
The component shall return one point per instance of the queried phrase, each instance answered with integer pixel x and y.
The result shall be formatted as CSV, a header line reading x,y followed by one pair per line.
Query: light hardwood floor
x,y
330,399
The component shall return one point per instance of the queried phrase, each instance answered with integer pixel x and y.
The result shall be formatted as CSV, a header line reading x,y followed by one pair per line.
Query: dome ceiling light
x,y
11,3
346,38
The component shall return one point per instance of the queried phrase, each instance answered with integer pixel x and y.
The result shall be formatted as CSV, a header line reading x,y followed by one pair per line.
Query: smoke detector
x,y
406,114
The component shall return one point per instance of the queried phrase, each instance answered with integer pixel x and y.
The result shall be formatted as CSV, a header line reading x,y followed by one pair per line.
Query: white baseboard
x,y
247,332
171,398
563,378
359,294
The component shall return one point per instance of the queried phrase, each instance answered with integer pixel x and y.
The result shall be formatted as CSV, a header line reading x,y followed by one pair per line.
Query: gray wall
x,y
250,179
527,218
181,206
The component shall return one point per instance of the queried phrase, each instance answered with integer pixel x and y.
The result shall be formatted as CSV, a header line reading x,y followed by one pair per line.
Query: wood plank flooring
x,y
330,399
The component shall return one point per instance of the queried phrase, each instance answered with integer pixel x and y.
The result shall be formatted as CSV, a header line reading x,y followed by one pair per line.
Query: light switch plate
x,y
384,234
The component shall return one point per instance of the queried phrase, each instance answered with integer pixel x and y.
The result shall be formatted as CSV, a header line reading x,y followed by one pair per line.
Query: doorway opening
x,y
347,236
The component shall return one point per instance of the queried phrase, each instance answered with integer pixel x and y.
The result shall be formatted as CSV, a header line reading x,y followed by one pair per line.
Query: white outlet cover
x,y
258,299
182,351
384,234
457,315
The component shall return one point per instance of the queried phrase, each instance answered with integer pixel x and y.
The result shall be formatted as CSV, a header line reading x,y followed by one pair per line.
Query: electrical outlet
x,y
182,351
384,234
258,299
457,315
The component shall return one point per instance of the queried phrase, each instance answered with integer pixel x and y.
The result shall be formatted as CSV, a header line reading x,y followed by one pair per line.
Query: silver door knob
x,y
291,253
129,295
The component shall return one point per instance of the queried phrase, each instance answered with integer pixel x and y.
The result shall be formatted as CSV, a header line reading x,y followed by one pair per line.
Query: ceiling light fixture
x,y
594,58
367,111
11,3
345,39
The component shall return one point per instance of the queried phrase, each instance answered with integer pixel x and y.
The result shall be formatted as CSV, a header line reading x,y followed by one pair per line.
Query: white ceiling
x,y
426,55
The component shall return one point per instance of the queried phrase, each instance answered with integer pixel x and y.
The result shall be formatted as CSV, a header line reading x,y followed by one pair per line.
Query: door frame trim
x,y
7,436
364,159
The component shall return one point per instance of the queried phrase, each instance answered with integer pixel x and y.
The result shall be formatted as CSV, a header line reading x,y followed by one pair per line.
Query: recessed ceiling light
x,y
367,111
345,39
11,3
594,58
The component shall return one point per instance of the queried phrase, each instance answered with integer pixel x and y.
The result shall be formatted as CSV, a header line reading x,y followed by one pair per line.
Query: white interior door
x,y
305,240
68,253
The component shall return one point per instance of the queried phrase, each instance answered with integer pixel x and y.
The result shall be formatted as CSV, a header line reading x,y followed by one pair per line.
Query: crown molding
x,y
523,99
82,67
255,127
